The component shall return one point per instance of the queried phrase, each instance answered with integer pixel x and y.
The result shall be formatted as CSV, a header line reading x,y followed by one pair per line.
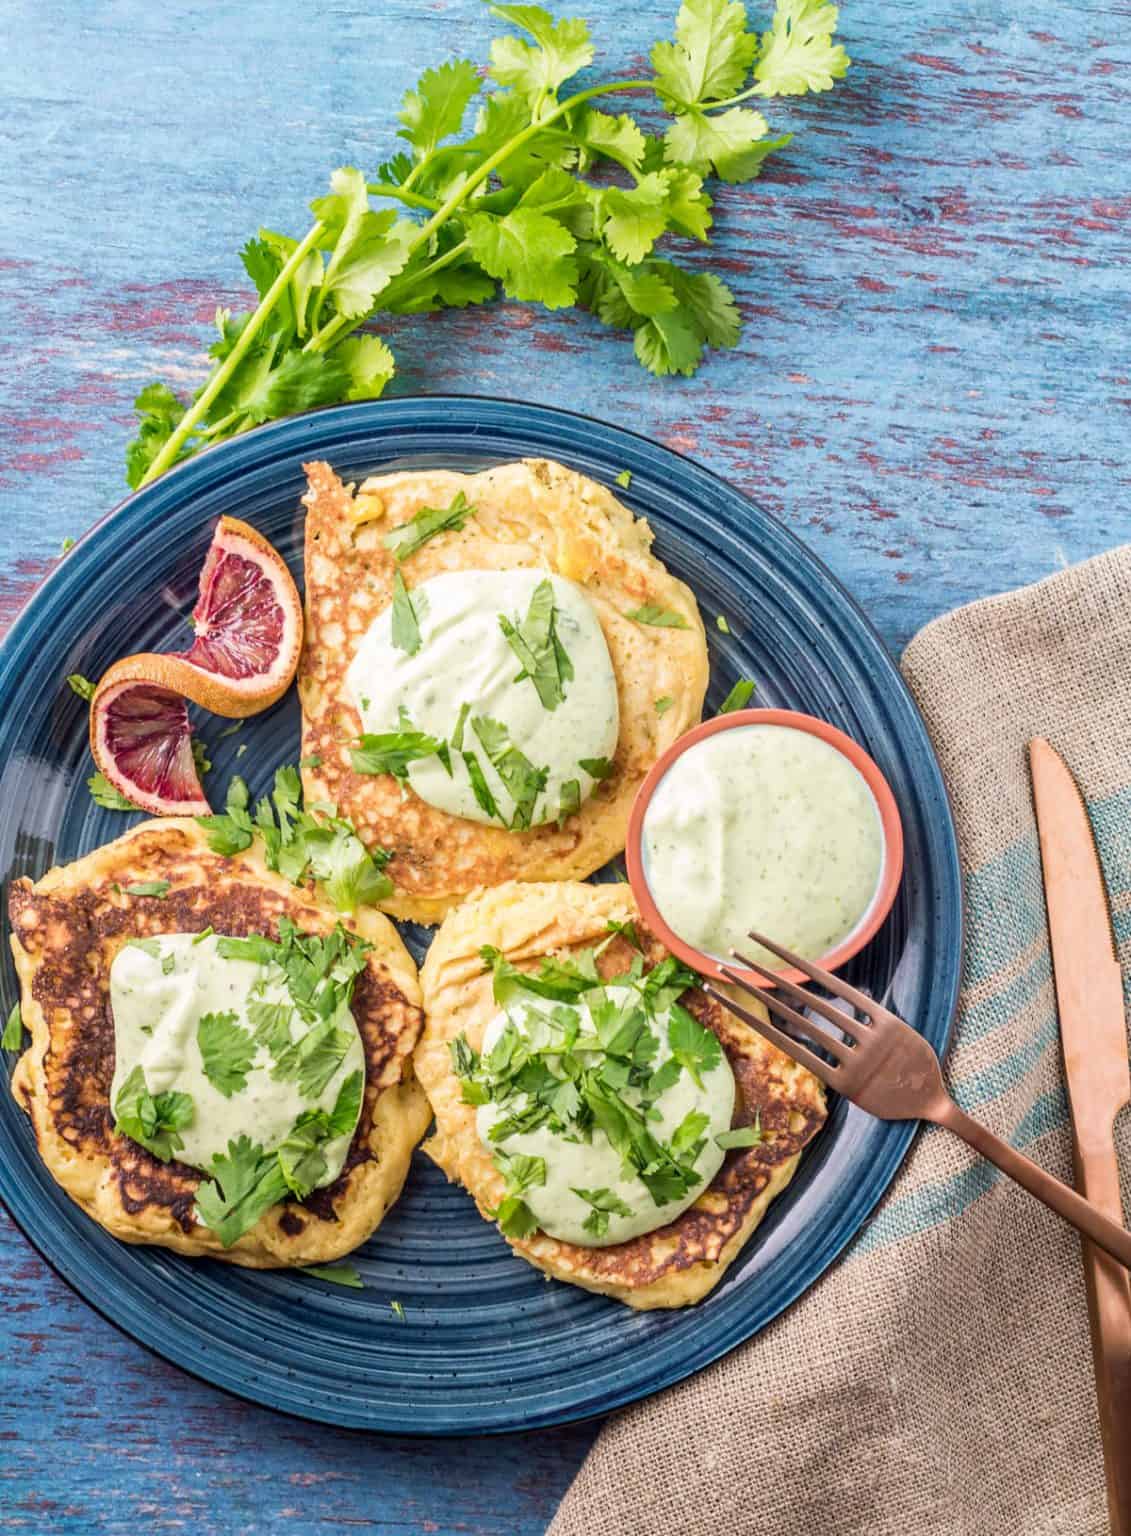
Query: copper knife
x,y
1093,1032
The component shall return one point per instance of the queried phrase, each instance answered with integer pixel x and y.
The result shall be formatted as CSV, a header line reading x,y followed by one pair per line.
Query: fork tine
x,y
828,1074
819,1005
814,972
831,1043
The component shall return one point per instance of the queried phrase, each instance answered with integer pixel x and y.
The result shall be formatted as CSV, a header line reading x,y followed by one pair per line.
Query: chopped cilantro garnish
x,y
148,888
314,1058
659,618
741,1135
461,721
624,479
230,730
271,1025
397,1309
692,1045
721,624
604,1204
301,843
536,644
664,703
13,1036
569,800
738,697
596,767
336,1274
479,786
232,832
245,1183
103,793
81,685
556,979
523,782
67,545
152,1120
406,617
227,1051
406,539
148,947
205,933
392,751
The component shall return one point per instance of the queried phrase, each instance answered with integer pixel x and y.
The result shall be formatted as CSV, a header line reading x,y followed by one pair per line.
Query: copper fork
x,y
893,1073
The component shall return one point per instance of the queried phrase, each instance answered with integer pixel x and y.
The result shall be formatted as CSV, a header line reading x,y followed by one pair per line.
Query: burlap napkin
x,y
939,1379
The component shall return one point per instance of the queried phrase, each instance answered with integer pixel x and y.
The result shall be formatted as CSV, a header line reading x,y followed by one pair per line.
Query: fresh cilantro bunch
x,y
545,195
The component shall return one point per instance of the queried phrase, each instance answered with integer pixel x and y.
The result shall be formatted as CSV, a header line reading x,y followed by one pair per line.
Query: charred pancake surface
x,y
67,928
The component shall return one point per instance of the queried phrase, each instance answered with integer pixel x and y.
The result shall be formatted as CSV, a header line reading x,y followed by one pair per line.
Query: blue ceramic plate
x,y
486,1344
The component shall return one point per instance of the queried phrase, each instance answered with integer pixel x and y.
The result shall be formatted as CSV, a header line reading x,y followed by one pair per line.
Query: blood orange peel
x,y
248,635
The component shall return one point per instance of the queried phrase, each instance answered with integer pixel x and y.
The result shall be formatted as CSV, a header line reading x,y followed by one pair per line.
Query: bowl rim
x,y
890,822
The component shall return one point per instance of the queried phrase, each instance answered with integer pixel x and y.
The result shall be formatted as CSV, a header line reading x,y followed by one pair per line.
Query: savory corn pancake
x,y
492,664
134,917
554,1107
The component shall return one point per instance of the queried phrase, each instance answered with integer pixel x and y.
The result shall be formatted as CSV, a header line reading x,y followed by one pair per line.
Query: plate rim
x,y
900,1134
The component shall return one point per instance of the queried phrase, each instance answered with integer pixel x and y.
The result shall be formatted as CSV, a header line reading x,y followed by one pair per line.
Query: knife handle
x,y
1109,1312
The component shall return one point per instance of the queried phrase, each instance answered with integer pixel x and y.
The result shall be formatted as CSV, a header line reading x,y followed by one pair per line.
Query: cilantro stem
x,y
399,285
402,194
172,446
478,177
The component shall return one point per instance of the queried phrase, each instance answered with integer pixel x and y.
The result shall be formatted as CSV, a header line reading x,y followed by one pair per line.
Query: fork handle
x,y
1106,1234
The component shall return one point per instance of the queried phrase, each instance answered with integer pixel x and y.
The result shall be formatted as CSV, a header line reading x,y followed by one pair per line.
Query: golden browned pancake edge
x,y
533,514
66,929
678,1263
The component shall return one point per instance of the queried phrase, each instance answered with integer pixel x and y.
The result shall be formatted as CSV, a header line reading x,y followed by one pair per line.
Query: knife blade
x,y
1093,1032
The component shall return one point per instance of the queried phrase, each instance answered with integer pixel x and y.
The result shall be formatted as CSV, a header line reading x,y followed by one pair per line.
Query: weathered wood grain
x,y
933,388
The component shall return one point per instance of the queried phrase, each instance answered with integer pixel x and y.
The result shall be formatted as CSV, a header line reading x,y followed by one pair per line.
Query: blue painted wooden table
x,y
933,388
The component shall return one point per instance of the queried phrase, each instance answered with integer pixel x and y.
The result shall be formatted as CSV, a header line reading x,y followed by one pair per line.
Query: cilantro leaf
x,y
633,219
741,1136
597,767
271,1025
515,1218
405,621
81,685
152,1120
366,249
798,53
392,751
148,947
227,1051
147,888
687,1138
660,618
313,1059
536,644
738,697
710,57
230,833
103,793
664,703
529,252
336,1274
13,1037
695,1048
347,1106
246,1182
561,980
435,109
464,1059
479,786
569,800
408,537
604,1203
368,365
560,49
731,144
523,782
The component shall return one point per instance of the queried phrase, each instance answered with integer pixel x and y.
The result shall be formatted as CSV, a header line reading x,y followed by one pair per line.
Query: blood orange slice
x,y
248,623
